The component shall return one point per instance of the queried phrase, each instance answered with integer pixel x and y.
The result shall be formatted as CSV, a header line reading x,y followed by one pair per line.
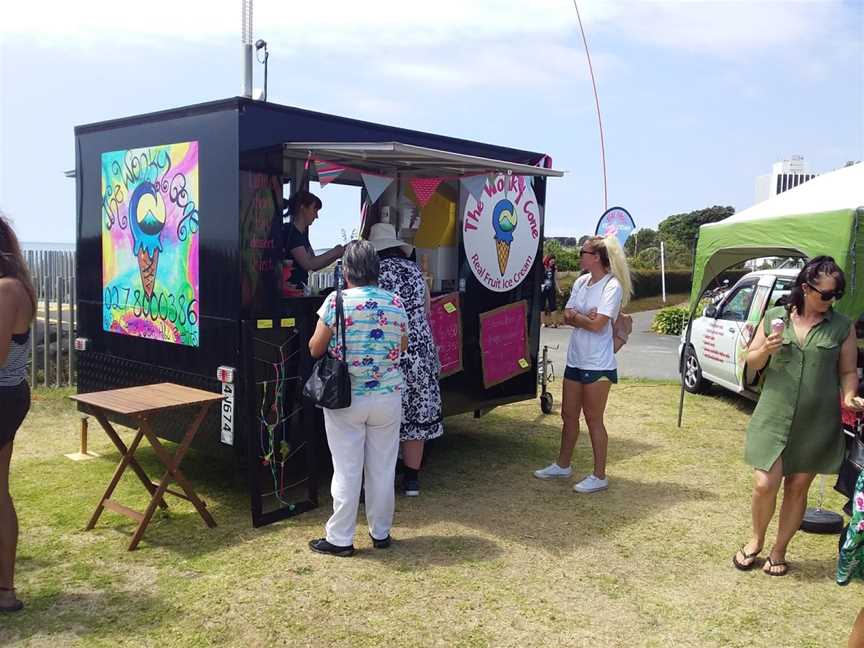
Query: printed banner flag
x,y
327,172
616,221
424,189
474,185
375,185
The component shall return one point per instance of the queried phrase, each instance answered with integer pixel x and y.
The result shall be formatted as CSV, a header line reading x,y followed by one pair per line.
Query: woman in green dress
x,y
808,353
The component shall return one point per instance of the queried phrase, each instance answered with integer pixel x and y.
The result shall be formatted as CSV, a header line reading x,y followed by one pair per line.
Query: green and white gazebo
x,y
822,216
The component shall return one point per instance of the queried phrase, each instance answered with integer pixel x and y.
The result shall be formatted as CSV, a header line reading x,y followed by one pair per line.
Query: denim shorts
x,y
14,405
588,376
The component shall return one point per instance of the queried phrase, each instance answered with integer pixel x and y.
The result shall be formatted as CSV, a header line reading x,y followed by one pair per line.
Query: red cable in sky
x,y
597,103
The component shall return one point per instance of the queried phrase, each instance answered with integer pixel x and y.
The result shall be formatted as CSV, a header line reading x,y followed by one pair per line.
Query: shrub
x,y
670,320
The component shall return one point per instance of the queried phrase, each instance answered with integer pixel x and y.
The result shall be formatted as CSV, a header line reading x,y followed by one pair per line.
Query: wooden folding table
x,y
142,404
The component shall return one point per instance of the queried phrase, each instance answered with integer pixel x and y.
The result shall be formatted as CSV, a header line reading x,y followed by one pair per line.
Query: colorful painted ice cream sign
x,y
150,243
501,232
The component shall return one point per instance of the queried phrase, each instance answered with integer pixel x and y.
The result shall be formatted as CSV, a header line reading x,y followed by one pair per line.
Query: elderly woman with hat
x,y
421,397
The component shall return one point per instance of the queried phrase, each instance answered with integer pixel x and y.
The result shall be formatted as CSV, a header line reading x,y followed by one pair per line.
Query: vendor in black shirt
x,y
303,207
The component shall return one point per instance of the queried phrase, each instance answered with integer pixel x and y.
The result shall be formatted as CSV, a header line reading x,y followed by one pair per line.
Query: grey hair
x,y
360,263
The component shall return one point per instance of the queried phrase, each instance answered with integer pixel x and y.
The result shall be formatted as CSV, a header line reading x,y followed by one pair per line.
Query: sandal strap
x,y
748,556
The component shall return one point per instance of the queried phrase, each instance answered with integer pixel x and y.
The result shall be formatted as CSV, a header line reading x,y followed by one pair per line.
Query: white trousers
x,y
363,436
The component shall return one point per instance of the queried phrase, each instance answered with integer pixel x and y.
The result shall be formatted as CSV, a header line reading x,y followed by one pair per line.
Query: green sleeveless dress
x,y
798,413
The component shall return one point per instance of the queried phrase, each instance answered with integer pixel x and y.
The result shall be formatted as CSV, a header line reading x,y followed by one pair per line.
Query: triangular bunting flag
x,y
492,178
327,172
424,188
375,185
474,185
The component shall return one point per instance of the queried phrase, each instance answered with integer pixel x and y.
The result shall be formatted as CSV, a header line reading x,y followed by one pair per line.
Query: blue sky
x,y
698,98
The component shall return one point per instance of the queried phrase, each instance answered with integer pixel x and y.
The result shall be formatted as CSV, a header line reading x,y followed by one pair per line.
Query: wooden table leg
x,y
133,463
118,473
172,473
173,463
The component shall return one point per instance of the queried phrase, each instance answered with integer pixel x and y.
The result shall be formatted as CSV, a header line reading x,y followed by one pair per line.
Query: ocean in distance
x,y
40,245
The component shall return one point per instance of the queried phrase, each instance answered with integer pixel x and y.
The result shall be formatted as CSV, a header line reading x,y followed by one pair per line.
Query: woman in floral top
x,y
851,562
363,438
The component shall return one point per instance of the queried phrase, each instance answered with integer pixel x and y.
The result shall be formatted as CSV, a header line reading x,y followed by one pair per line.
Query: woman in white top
x,y
594,304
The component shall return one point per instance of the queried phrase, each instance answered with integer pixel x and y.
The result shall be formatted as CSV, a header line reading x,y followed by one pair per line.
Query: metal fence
x,y
52,357
52,360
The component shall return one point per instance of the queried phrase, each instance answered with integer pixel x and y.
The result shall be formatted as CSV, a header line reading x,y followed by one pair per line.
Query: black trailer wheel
x,y
691,373
817,520
546,403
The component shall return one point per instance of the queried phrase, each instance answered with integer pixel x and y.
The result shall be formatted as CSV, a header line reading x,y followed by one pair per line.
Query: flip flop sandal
x,y
751,557
778,563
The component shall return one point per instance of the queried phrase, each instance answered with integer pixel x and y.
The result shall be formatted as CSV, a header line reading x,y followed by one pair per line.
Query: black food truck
x,y
180,273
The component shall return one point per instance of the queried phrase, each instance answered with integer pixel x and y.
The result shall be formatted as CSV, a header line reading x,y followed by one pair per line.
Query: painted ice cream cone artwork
x,y
150,242
147,267
503,250
504,221
147,219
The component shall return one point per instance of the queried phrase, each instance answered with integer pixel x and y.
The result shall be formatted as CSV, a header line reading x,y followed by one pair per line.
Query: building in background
x,y
784,175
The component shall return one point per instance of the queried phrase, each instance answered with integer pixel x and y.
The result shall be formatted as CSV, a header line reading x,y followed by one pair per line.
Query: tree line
x,y
678,233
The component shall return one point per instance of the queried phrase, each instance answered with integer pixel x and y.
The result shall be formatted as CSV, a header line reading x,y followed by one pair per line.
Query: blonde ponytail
x,y
618,266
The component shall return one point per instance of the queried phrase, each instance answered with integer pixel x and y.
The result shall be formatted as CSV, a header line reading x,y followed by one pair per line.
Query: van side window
x,y
737,305
782,288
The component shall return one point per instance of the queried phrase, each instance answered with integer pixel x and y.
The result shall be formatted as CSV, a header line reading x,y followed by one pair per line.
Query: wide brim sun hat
x,y
382,236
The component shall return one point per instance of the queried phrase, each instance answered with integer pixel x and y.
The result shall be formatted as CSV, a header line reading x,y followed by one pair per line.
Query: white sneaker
x,y
553,471
591,484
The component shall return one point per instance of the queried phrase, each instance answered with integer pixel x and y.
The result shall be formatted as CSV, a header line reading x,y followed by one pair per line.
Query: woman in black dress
x,y
421,396
549,292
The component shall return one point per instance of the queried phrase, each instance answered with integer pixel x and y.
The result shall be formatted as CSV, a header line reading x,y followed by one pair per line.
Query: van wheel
x,y
691,373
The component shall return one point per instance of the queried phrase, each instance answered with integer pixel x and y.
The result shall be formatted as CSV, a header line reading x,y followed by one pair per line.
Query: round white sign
x,y
501,232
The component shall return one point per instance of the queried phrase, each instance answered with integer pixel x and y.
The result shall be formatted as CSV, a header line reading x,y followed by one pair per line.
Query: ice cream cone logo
x,y
147,219
504,221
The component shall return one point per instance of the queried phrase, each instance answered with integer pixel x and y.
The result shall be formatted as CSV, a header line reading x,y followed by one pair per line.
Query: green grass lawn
x,y
487,556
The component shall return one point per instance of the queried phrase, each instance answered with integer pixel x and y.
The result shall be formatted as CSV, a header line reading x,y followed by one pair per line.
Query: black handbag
x,y
853,463
330,384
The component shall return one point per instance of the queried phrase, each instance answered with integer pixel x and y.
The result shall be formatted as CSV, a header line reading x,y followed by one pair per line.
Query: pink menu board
x,y
504,343
446,323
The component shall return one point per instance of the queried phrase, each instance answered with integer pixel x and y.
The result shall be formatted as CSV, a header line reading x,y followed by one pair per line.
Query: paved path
x,y
646,354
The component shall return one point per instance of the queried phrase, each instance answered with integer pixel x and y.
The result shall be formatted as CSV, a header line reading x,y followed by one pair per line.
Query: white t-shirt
x,y
590,350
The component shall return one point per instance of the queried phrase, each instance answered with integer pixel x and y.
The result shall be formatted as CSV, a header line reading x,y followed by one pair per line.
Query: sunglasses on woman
x,y
584,252
827,295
